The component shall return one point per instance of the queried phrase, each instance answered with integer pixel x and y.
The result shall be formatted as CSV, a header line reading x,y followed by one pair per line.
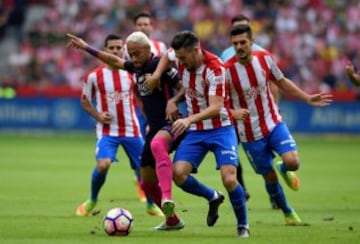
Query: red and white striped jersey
x,y
158,48
250,89
207,80
113,92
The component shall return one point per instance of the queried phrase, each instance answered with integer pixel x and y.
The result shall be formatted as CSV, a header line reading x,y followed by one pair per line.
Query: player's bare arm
x,y
153,81
275,91
108,58
103,117
354,77
172,111
213,110
319,99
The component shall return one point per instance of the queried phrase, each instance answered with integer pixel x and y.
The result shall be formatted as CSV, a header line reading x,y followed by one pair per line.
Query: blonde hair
x,y
138,37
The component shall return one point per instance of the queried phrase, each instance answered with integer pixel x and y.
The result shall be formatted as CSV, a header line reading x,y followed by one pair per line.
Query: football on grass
x,y
118,222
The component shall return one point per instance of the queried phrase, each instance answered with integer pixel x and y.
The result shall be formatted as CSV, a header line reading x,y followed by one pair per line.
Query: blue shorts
x,y
107,146
196,144
260,153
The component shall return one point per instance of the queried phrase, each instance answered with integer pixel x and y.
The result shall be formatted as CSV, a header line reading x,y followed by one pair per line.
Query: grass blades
x,y
43,178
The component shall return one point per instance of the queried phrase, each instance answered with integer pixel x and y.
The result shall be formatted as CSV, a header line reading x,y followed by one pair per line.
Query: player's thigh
x,y
281,140
147,158
106,148
224,145
133,147
259,155
191,150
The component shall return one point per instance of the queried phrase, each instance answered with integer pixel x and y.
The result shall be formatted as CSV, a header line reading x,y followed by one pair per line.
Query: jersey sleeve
x,y
216,78
129,66
171,76
163,48
276,73
171,55
89,86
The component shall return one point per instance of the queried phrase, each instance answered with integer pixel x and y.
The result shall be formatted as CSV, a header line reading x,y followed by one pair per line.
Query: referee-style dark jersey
x,y
154,102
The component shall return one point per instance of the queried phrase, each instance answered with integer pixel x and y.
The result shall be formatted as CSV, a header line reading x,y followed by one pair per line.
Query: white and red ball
x,y
118,222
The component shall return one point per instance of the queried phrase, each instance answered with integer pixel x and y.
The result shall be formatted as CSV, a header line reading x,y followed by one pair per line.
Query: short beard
x,y
244,60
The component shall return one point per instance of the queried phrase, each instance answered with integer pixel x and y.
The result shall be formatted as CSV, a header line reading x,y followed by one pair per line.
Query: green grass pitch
x,y
44,178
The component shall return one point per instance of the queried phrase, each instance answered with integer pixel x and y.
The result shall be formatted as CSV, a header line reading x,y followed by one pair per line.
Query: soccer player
x,y
261,129
230,51
117,123
354,77
143,23
159,107
208,126
225,56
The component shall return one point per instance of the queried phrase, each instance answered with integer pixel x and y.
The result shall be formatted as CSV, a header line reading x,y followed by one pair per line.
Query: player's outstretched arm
x,y
108,58
319,99
354,77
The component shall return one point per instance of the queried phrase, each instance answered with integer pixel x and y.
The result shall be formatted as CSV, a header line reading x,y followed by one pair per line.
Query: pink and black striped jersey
x,y
113,92
250,89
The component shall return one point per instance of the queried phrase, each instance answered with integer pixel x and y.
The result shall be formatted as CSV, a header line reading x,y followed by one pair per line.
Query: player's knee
x,y
179,176
292,164
103,165
291,160
229,181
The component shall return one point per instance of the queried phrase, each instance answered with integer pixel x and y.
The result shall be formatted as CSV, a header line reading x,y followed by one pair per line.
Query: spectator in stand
x,y
298,30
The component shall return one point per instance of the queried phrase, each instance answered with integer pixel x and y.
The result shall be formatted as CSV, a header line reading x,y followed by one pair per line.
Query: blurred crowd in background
x,y
311,39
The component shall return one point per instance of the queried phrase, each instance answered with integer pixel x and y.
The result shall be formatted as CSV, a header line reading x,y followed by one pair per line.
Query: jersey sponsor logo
x,y
253,92
142,87
172,72
116,97
288,141
232,153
